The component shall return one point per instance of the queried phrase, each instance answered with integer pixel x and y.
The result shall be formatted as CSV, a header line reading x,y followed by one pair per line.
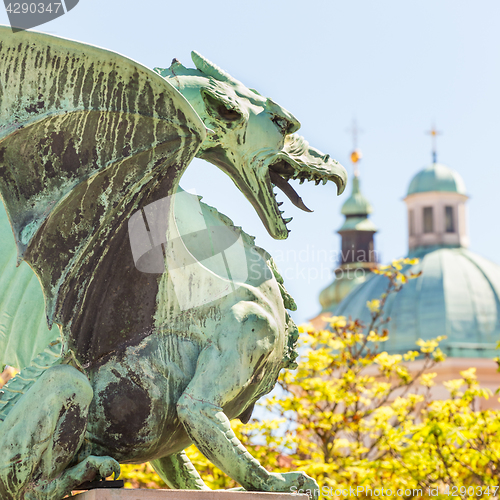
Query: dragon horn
x,y
210,68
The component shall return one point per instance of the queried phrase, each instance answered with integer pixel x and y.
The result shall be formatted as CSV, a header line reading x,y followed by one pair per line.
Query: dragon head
x,y
252,139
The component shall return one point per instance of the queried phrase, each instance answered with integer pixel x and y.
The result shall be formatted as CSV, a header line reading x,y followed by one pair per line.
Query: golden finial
x,y
356,154
434,133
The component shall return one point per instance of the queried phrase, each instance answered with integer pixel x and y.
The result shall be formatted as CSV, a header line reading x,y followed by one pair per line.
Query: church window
x,y
348,249
428,220
449,222
411,222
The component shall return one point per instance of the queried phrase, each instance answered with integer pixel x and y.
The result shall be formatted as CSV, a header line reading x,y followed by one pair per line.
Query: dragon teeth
x,y
317,181
325,181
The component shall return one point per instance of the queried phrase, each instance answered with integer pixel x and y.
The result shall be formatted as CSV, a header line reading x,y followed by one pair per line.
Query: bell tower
x,y
357,255
436,203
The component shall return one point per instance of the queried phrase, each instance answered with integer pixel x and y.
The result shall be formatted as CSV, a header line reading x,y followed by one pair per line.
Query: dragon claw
x,y
106,466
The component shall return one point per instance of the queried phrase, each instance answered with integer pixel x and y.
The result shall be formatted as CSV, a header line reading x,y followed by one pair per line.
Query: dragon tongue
x,y
278,181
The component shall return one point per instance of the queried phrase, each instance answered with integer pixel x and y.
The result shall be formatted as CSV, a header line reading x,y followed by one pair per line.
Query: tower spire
x,y
357,256
434,133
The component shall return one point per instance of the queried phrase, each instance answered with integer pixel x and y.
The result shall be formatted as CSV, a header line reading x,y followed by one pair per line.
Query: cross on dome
x,y
434,133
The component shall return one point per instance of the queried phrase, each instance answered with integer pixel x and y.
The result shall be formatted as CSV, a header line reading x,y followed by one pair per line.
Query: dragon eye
x,y
282,123
228,114
218,109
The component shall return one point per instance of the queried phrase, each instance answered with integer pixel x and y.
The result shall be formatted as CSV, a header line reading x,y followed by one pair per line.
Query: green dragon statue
x,y
141,361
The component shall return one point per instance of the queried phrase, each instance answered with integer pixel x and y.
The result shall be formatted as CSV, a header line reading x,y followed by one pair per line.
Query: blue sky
x,y
395,66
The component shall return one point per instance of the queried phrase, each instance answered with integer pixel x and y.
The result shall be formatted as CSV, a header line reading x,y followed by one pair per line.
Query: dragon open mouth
x,y
298,160
281,181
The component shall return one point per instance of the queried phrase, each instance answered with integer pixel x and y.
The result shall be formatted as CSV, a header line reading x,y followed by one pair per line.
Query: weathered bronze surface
x,y
88,138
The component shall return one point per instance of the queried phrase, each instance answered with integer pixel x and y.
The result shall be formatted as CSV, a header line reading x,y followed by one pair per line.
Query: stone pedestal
x,y
127,494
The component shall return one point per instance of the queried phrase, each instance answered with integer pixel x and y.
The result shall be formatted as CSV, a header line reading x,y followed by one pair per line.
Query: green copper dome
x,y
356,204
340,287
437,177
457,295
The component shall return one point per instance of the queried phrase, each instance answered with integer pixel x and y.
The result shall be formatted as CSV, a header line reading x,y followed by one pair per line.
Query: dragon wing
x,y
87,137
22,308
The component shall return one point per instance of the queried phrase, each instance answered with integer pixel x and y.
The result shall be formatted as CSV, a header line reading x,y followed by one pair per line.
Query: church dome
x,y
457,295
437,177
341,286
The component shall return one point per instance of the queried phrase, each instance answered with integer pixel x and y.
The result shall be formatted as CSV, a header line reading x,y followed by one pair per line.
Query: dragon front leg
x,y
41,436
223,372
178,472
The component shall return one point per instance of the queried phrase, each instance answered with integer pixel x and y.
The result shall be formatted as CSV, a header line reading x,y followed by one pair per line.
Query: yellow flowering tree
x,y
363,425
355,418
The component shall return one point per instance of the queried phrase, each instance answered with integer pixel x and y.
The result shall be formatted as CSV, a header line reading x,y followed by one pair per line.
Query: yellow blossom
x,y
469,374
396,264
337,322
454,385
373,305
427,379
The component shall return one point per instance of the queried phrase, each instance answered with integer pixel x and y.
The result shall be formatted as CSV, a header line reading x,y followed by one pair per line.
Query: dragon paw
x,y
294,482
104,467
88,470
